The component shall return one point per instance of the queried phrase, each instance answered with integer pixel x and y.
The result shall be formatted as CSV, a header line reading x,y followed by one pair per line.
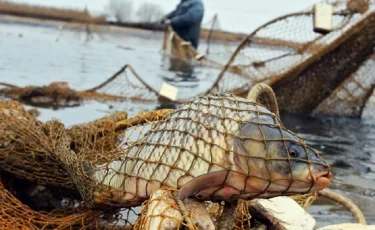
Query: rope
x,y
353,208
266,90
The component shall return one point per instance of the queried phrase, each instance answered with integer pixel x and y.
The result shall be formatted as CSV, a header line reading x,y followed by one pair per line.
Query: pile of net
x,y
37,191
59,94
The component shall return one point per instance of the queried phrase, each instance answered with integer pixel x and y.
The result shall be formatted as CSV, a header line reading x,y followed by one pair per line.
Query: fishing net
x,y
353,94
76,169
216,45
302,66
124,85
16,215
23,137
222,128
74,214
176,46
163,211
55,95
37,191
285,53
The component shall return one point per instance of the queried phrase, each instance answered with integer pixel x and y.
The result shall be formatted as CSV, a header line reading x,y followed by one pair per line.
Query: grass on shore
x,y
69,15
83,16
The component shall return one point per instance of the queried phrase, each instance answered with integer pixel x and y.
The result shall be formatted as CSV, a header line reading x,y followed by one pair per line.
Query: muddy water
x,y
37,54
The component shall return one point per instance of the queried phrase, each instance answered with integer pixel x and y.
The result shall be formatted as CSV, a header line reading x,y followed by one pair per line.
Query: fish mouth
x,y
321,179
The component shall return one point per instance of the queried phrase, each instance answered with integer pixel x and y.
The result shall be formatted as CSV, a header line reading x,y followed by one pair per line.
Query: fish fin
x,y
203,181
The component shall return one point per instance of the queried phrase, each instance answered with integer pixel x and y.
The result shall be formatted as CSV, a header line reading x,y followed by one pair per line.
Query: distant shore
x,y
84,17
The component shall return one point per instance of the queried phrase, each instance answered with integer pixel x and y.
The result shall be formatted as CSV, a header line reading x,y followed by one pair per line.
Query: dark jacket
x,y
186,20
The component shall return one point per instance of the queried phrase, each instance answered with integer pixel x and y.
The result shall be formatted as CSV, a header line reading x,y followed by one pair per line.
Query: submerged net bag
x,y
305,67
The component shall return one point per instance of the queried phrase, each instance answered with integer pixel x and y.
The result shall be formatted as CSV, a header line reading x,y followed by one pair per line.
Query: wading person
x,y
186,20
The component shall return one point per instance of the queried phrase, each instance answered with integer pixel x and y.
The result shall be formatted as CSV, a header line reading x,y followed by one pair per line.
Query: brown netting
x,y
16,215
242,215
176,46
55,95
217,43
124,85
302,66
108,163
22,138
353,94
161,211
39,192
223,128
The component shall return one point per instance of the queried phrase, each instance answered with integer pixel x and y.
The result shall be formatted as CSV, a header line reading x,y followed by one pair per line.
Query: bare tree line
x,y
123,11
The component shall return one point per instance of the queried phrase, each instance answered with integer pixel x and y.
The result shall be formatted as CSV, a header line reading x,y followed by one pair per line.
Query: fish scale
x,y
187,124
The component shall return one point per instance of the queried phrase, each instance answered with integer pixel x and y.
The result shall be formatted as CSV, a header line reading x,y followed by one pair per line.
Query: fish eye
x,y
294,151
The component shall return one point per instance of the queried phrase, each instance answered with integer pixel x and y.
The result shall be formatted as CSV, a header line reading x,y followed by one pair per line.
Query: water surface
x,y
37,54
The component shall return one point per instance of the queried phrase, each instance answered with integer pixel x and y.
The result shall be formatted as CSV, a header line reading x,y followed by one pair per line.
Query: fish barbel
x,y
215,147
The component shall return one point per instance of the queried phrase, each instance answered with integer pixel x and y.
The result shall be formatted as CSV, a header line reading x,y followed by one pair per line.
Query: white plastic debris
x,y
323,17
283,213
168,91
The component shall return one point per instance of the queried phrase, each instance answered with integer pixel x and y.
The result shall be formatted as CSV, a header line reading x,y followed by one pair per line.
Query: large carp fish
x,y
217,147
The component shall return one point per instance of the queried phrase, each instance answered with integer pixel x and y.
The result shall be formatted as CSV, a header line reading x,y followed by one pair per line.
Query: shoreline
x,y
38,14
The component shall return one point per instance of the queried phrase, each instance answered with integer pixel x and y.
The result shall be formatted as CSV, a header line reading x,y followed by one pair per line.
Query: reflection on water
x,y
39,58
184,71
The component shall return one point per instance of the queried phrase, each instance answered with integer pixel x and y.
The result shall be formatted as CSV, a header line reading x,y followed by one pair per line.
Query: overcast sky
x,y
234,15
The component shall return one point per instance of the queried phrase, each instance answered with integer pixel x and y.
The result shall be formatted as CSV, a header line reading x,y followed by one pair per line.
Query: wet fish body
x,y
218,146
